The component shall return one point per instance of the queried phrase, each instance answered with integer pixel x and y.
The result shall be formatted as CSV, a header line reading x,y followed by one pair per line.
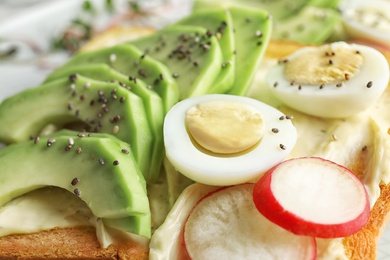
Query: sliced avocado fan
x,y
279,9
245,36
193,56
312,25
325,3
98,168
218,22
99,106
152,102
291,18
252,34
131,62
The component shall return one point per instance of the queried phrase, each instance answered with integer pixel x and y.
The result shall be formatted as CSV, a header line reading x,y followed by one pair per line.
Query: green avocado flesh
x,y
279,9
152,102
325,3
218,22
93,167
140,225
131,62
312,25
193,57
252,35
292,20
79,100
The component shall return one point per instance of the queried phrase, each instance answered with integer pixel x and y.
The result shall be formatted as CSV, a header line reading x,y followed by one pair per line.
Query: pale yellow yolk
x,y
324,65
225,127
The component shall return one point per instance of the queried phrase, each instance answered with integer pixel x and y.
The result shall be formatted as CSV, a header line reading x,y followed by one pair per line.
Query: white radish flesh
x,y
226,225
312,196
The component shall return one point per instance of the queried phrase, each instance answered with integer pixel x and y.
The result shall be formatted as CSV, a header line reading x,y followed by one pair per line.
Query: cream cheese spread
x,y
44,209
52,207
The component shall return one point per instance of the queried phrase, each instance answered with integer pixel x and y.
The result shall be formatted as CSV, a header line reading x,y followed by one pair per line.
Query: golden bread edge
x,y
67,243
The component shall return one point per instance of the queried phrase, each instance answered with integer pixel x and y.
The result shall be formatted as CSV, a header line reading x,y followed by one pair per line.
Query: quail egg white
x,y
223,139
368,20
335,80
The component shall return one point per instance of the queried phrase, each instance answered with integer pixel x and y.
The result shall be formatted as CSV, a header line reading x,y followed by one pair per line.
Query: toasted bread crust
x,y
363,244
70,243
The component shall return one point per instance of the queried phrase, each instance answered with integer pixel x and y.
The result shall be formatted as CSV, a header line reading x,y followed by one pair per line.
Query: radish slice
x,y
314,197
226,225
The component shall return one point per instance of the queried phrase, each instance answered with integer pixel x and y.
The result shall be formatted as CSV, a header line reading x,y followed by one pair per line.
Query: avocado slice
x,y
291,19
279,9
131,62
140,225
252,34
312,25
112,190
218,22
325,3
193,56
99,106
152,102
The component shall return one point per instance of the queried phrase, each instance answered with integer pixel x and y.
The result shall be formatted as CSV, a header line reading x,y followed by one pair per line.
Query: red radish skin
x,y
270,207
226,221
183,253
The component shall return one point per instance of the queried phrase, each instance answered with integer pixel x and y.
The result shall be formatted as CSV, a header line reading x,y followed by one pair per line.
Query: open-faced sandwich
x,y
250,131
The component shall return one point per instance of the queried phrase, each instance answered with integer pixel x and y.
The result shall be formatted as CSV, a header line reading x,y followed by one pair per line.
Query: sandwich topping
x,y
368,21
336,80
200,132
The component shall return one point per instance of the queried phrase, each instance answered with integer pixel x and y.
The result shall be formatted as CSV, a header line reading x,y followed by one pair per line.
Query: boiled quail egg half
x,y
221,139
369,20
335,80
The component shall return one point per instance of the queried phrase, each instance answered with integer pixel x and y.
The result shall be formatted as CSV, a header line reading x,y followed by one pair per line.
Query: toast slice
x,y
363,244
67,243
81,242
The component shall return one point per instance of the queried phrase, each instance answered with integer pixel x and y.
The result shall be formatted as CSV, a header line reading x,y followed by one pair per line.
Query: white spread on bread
x,y
43,209
53,207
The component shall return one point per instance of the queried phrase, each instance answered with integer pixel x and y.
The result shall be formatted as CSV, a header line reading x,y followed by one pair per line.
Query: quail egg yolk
x,y
324,65
224,127
336,80
222,139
